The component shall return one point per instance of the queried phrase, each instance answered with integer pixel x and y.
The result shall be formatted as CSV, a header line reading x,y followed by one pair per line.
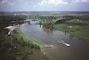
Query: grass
x,y
29,39
22,45
14,46
78,30
45,57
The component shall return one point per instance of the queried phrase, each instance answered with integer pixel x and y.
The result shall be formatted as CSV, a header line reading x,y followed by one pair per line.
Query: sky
x,y
44,5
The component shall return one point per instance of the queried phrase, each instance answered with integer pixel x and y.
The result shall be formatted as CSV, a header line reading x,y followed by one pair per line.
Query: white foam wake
x,y
66,44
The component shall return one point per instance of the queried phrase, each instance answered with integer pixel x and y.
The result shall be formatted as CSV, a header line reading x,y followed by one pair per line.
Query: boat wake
x,y
66,44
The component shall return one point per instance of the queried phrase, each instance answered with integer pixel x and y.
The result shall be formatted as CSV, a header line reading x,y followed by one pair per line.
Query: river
x,y
77,49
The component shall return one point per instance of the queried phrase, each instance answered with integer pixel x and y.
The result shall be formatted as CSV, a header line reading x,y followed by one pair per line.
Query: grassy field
x,y
30,43
21,41
78,28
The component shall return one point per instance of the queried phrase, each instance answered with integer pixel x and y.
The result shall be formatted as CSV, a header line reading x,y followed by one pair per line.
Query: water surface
x,y
78,49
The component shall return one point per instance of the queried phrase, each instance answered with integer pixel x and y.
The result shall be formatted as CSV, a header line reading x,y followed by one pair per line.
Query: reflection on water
x,y
47,30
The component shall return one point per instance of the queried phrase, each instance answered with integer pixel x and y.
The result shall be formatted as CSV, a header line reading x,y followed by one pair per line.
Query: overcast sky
x,y
44,5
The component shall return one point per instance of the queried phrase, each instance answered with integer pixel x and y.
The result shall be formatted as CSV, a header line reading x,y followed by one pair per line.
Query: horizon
x,y
42,11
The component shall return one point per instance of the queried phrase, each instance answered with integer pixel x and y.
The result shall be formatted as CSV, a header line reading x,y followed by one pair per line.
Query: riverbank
x,y
23,47
77,28
30,40
28,47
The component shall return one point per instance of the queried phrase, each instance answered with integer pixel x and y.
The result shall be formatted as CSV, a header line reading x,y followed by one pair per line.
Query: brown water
x,y
78,49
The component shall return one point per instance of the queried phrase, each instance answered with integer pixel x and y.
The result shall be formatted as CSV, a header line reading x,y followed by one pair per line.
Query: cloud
x,y
52,2
6,2
80,1
3,1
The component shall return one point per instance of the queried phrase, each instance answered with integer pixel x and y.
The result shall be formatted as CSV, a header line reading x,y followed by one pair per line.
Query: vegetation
x,y
18,46
30,40
15,46
76,27
9,48
45,57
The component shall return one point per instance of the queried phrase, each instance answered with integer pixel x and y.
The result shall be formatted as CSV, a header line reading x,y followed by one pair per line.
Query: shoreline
x,y
42,46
